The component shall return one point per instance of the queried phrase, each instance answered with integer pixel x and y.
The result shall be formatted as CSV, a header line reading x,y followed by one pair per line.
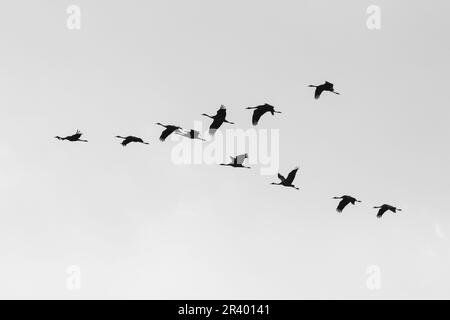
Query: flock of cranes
x,y
346,200
238,162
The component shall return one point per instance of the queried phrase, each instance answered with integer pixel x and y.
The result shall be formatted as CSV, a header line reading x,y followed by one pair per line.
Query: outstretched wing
x,y
241,158
381,212
281,177
257,114
167,133
328,86
318,92
344,202
291,176
76,136
126,141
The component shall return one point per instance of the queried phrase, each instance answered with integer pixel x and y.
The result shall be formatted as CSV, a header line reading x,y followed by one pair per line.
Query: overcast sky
x,y
140,226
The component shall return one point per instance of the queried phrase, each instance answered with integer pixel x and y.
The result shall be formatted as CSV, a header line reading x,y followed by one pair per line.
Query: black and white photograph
x,y
204,150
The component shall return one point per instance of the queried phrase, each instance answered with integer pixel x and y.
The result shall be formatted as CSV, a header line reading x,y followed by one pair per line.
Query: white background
x,y
141,227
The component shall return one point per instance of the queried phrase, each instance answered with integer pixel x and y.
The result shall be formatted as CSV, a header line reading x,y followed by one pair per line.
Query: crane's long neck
x,y
206,115
160,124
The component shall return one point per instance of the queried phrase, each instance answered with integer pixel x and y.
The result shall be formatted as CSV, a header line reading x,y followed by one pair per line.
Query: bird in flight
x,y
260,111
73,138
384,208
345,200
287,182
237,162
130,139
327,86
191,134
168,131
219,119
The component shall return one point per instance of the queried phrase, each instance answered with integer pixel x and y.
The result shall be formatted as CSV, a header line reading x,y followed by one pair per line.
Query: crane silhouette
x,y
287,182
345,200
191,134
384,208
219,119
73,138
327,86
168,131
237,162
260,111
130,139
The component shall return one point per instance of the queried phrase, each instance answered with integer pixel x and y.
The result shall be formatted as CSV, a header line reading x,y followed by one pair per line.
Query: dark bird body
x,y
73,138
168,131
287,182
327,86
130,139
219,119
345,200
237,162
385,208
191,134
260,111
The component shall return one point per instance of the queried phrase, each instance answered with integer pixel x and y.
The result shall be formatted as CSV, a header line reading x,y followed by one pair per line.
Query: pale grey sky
x,y
141,227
